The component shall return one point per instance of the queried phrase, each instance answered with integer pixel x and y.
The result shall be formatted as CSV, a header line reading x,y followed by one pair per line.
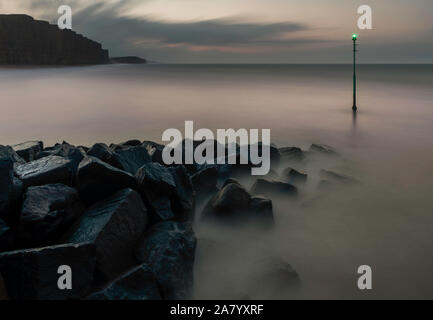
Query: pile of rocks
x,y
118,217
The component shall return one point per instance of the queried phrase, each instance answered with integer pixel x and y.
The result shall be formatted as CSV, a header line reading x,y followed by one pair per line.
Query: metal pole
x,y
354,107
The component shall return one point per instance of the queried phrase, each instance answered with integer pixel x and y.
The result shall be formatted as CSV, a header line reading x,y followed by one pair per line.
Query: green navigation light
x,y
354,36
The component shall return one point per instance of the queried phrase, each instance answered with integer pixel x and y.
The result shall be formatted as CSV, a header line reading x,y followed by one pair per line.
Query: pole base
x,y
354,108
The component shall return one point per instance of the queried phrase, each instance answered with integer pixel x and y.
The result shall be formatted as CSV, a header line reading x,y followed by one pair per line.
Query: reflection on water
x,y
386,222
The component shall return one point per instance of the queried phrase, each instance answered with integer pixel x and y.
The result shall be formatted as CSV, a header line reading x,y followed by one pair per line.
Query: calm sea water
x,y
386,222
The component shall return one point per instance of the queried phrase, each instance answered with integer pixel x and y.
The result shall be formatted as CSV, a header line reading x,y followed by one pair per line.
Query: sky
x,y
248,31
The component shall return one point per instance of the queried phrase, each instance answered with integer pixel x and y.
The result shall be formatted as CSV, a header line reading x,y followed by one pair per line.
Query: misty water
x,y
385,221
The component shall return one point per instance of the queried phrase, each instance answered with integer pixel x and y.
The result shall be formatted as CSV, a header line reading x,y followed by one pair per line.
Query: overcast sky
x,y
248,31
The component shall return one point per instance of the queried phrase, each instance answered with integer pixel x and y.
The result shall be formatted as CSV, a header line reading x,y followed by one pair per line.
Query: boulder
x,y
183,198
64,150
168,248
132,158
273,188
323,149
126,144
104,153
293,176
291,154
6,237
137,284
157,185
155,151
28,150
114,226
273,152
47,213
234,204
231,180
6,182
205,181
51,169
97,180
8,152
32,274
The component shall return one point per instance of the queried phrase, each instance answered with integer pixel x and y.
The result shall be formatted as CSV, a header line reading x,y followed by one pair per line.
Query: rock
x,y
169,250
128,60
132,158
126,144
231,180
183,198
234,204
6,182
205,180
97,180
323,149
155,151
291,154
114,226
6,237
25,41
137,284
261,211
3,292
32,274
28,150
47,213
293,176
156,184
336,177
8,152
273,152
272,188
51,169
104,153
64,150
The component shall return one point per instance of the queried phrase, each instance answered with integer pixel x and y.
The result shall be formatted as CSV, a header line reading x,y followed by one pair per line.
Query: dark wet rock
x,y
51,169
155,151
64,150
291,154
47,212
132,158
336,177
114,225
323,149
9,152
156,184
28,150
137,284
168,248
104,153
234,204
271,188
6,237
97,180
273,152
293,176
126,144
183,198
261,211
231,180
32,274
6,182
205,181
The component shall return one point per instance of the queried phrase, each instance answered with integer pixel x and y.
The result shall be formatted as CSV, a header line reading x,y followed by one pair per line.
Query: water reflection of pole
x,y
354,38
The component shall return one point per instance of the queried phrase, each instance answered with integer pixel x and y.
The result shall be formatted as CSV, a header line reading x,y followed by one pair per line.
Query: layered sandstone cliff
x,y
25,41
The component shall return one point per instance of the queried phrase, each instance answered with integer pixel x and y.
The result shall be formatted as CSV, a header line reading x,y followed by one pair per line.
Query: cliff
x,y
25,41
